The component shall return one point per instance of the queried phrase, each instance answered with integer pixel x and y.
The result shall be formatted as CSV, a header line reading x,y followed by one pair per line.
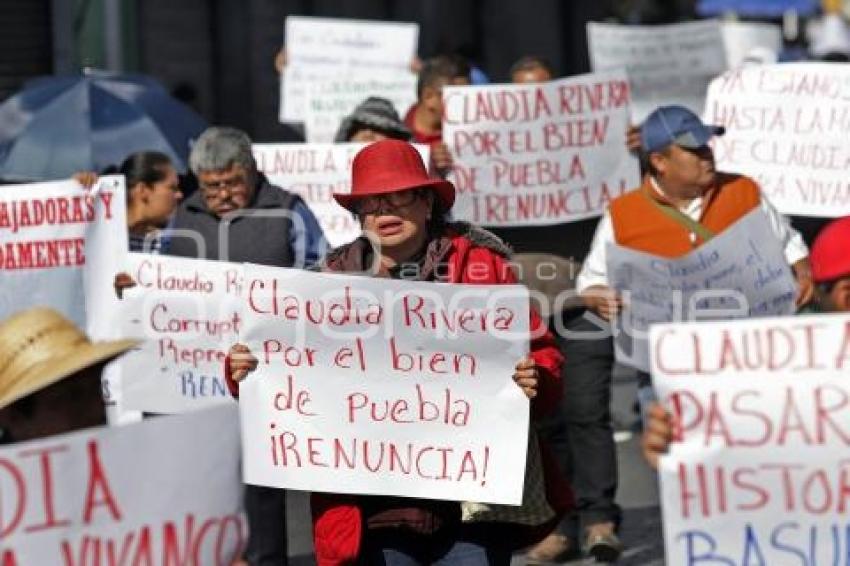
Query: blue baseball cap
x,y
675,125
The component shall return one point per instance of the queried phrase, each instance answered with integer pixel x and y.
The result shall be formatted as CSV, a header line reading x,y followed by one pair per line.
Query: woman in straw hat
x,y
50,376
403,212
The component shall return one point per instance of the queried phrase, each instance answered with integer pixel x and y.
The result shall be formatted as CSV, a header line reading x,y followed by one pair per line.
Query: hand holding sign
x,y
603,300
527,376
242,362
658,433
121,282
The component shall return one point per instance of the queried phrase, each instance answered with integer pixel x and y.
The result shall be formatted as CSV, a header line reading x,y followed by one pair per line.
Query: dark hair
x,y
646,163
441,68
146,167
530,62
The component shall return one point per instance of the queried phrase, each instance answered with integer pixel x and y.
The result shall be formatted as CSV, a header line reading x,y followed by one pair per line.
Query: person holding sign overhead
x,y
403,214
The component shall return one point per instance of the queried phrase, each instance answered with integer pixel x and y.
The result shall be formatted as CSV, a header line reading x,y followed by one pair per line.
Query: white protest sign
x,y
384,387
315,172
666,64
186,311
757,472
48,232
321,50
163,492
539,153
786,126
742,38
334,98
797,345
739,273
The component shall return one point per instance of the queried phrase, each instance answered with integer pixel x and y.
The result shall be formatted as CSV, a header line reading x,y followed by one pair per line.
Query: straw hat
x,y
39,347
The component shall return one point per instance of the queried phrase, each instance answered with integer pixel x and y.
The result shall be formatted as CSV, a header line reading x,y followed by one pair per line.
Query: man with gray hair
x,y
265,225
237,215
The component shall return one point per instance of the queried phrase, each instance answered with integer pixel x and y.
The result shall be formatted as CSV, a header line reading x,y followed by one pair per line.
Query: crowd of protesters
x,y
405,206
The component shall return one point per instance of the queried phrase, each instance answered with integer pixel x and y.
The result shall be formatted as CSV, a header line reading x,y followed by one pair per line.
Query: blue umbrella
x,y
59,125
757,8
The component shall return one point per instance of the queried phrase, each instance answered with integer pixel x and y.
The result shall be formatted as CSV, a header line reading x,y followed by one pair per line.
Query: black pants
x,y
581,433
265,508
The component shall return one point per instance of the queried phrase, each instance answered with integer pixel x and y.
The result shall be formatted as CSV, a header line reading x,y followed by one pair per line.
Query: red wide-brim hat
x,y
390,166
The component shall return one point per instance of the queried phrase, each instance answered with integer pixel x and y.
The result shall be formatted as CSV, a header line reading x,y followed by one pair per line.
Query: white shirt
x,y
595,269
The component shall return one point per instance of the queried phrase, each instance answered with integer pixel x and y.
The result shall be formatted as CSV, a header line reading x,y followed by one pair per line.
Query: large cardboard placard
x,y
323,51
741,272
758,472
666,64
186,312
315,172
786,126
376,386
540,153
49,232
163,492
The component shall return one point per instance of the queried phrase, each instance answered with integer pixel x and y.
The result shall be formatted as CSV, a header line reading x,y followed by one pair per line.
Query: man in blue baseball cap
x,y
682,202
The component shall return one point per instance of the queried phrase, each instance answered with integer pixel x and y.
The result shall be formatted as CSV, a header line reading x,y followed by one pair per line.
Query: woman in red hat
x,y
403,215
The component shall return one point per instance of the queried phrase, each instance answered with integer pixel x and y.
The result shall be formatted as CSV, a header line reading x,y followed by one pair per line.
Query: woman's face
x,y
160,199
398,220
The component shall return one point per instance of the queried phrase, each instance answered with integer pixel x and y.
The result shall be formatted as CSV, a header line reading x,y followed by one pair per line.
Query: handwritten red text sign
x,y
786,126
384,387
541,153
758,470
186,311
162,492
48,233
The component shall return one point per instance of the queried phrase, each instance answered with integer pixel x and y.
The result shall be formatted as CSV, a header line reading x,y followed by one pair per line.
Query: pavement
x,y
638,495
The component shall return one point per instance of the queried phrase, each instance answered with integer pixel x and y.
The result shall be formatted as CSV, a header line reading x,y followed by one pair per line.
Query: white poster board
x,y
165,491
333,98
786,126
384,387
666,64
325,50
742,38
48,234
740,273
315,172
757,473
539,154
186,311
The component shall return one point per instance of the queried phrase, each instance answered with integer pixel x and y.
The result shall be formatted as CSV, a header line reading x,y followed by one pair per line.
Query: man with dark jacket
x,y
237,215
